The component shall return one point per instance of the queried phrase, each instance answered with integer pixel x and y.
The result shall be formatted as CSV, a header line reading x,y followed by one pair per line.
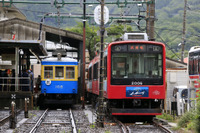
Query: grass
x,y
186,121
167,117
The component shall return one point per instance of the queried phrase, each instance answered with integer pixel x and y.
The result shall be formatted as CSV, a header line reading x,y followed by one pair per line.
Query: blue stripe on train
x,y
60,87
58,63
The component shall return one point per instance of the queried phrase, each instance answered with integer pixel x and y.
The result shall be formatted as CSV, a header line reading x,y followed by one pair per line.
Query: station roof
x,y
24,34
171,63
10,11
8,46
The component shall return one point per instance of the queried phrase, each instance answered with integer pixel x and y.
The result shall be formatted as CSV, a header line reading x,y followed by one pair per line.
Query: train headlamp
x,y
74,90
48,82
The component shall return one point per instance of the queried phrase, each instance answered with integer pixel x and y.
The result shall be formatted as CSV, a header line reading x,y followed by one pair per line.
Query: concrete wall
x,y
176,78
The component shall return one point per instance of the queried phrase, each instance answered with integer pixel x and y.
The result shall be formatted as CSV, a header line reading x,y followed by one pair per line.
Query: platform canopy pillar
x,y
16,67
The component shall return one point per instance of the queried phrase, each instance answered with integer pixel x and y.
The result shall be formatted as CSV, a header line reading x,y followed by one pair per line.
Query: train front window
x,y
119,67
59,71
48,72
70,74
136,67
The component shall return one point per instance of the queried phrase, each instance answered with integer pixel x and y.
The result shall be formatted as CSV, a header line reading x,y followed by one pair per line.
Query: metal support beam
x,y
75,3
91,16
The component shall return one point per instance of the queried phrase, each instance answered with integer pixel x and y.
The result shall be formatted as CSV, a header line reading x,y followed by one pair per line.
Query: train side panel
x,y
60,87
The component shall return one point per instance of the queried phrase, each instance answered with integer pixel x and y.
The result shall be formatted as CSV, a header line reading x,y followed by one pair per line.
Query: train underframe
x,y
148,107
56,99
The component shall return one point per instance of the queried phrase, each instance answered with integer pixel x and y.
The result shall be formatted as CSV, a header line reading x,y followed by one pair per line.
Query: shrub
x,y
166,117
186,119
197,122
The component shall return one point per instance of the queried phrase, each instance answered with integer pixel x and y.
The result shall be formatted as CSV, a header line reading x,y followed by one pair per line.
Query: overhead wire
x,y
167,45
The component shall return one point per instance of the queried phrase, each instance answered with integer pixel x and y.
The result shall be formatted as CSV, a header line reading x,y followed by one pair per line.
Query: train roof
x,y
194,49
62,61
65,59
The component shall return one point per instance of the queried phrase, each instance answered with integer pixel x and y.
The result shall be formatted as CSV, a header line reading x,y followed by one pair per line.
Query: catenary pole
x,y
84,41
150,20
100,115
183,33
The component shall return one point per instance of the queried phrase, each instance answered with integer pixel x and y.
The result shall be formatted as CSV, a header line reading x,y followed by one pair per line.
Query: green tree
x,y
114,31
91,36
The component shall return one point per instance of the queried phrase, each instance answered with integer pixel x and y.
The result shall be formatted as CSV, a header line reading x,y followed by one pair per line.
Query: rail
x,y
163,128
5,119
73,122
124,128
34,129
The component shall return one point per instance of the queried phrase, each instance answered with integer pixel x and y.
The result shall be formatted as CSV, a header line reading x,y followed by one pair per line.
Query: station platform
x,y
6,97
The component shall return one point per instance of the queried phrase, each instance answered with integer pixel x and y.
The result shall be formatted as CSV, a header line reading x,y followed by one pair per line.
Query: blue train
x,y
59,81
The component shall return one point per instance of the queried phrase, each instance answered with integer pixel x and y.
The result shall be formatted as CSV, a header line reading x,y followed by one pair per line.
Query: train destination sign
x,y
136,48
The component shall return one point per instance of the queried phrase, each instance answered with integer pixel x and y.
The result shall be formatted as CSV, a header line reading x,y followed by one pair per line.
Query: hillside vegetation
x,y
170,24
168,27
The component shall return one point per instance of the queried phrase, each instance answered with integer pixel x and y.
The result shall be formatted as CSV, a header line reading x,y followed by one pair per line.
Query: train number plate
x,y
137,91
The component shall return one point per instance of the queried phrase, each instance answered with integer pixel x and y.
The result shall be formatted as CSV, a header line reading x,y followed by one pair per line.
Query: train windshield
x,y
48,72
137,68
70,72
59,71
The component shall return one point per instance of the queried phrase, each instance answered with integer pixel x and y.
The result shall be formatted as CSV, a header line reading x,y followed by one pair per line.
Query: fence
x,y
16,84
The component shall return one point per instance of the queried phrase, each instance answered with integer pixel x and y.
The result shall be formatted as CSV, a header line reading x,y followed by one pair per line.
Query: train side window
x,y
90,73
70,73
48,72
195,63
59,71
105,66
198,63
95,71
191,63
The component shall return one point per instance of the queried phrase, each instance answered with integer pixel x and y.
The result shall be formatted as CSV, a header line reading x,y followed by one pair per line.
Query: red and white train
x,y
194,67
134,76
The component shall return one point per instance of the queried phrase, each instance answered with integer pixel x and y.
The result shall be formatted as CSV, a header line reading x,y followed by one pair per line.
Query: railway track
x,y
124,128
38,123
7,117
76,121
55,121
155,127
161,126
50,121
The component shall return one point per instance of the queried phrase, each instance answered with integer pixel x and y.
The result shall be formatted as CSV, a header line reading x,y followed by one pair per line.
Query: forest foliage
x,y
168,27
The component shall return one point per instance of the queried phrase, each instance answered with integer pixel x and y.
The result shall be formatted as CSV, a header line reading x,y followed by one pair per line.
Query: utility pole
x,y
183,33
100,115
150,20
84,40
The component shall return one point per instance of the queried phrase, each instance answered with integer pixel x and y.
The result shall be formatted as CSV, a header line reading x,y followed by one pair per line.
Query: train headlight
x,y
48,82
74,90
